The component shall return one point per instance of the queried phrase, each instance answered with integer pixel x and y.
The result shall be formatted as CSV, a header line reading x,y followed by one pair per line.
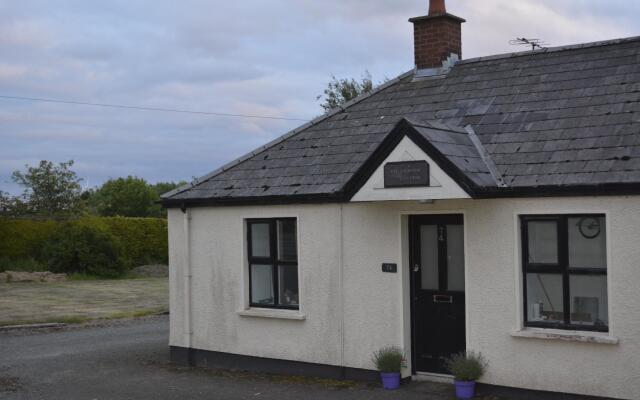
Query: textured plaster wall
x,y
176,277
494,302
376,304
219,288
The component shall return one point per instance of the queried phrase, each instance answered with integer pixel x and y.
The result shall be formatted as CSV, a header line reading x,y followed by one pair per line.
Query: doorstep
x,y
432,377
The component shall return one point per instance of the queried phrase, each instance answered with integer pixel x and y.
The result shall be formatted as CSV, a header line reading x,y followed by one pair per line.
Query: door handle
x,y
442,298
416,268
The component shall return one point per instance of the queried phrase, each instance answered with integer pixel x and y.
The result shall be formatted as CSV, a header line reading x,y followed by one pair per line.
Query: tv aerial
x,y
534,43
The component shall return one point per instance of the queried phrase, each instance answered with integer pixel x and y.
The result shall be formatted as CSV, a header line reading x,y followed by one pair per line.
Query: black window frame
x,y
272,260
560,268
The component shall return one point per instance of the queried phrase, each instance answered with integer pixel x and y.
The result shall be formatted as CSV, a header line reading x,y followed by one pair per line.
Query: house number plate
x,y
392,268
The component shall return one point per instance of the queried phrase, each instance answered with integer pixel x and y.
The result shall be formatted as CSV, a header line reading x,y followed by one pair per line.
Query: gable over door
x,y
441,185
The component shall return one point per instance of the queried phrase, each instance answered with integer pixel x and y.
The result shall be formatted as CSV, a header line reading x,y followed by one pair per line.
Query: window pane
x,y
544,298
455,257
288,285
260,240
262,284
587,242
589,300
543,242
429,256
287,249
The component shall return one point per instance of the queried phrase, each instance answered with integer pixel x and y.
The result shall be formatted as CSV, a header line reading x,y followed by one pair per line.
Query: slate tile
x,y
553,118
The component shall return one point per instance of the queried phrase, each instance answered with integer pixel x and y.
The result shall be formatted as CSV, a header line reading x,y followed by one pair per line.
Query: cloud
x,y
255,57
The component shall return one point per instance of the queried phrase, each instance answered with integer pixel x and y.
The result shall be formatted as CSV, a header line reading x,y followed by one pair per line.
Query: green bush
x,y
85,249
143,240
21,238
21,264
388,359
467,366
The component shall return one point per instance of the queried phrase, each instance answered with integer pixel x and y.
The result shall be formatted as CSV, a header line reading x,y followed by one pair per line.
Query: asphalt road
x,y
129,360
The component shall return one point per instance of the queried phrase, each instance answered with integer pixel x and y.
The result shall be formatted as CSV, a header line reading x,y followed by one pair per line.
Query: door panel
x,y
437,283
429,257
455,257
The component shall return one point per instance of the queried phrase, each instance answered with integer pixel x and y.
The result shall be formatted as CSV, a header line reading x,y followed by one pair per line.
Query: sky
x,y
255,57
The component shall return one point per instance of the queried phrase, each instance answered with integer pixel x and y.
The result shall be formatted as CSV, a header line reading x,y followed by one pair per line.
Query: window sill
x,y
272,313
571,336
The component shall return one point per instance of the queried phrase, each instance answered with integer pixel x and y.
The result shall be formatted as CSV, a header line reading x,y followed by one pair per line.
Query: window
x,y
564,261
273,263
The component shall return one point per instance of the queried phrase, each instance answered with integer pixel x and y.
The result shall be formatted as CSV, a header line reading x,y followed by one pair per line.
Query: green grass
x,y
83,277
75,319
86,277
78,301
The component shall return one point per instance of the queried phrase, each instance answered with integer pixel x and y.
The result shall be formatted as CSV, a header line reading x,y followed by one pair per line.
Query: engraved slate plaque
x,y
406,174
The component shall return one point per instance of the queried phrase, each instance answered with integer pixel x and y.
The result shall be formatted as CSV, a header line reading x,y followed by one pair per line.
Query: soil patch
x,y
19,276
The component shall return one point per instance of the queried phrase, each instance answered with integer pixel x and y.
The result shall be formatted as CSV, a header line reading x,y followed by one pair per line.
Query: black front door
x,y
437,290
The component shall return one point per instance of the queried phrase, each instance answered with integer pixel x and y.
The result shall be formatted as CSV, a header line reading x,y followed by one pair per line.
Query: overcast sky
x,y
250,56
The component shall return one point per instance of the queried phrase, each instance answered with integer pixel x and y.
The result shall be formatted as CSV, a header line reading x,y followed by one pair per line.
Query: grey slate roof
x,y
551,119
455,144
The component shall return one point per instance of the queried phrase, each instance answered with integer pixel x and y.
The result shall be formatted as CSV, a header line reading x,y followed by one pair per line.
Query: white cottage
x,y
488,204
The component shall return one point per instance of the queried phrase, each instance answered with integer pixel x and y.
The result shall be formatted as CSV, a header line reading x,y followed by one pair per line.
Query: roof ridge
x,y
285,136
486,157
436,124
551,50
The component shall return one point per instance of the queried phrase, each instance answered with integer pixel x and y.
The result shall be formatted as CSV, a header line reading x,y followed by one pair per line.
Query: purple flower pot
x,y
465,389
390,380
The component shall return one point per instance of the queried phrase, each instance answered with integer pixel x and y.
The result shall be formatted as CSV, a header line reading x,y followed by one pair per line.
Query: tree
x,y
340,91
6,202
12,206
163,187
126,197
49,189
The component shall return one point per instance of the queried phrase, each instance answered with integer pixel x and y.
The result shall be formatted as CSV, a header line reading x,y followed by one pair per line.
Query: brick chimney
x,y
437,36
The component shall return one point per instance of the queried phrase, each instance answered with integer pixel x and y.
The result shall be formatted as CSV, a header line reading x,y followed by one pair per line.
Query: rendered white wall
x,y
376,303
219,285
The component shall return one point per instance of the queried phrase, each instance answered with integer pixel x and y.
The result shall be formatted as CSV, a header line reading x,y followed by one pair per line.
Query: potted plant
x,y
388,360
467,368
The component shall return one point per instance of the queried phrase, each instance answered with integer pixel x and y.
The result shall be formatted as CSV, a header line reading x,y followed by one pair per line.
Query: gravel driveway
x,y
127,359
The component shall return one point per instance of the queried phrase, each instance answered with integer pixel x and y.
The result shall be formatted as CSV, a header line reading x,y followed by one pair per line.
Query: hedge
x,y
144,240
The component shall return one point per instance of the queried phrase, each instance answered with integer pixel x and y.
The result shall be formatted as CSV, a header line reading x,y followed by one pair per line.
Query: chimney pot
x,y
437,7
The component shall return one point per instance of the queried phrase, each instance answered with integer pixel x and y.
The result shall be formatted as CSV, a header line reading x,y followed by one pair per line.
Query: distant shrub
x,y
21,264
143,240
85,249
21,238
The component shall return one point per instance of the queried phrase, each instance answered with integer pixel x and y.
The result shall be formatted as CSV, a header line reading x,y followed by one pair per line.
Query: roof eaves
x,y
287,135
604,189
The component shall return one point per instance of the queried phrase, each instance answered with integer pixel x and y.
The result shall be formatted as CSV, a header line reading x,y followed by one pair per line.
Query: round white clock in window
x,y
589,227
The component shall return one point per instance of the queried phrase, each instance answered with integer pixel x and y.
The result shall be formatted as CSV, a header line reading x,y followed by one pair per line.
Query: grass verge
x,y
80,301
73,320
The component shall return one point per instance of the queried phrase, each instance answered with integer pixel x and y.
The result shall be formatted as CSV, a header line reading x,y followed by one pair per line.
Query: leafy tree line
x,y
54,190
341,91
